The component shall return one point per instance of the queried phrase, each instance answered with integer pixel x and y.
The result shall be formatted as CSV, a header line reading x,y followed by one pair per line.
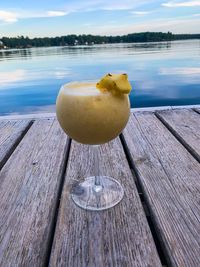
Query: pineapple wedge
x,y
116,83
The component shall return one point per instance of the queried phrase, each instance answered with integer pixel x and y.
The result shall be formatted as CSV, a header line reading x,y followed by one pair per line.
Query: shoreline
x,y
86,45
21,42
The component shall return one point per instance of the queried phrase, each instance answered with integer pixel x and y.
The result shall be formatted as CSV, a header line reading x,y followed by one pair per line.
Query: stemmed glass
x,y
92,117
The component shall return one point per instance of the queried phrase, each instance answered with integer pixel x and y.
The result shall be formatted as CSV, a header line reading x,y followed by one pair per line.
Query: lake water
x,y
165,73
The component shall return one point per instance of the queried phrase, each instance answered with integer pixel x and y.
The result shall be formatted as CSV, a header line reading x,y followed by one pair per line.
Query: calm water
x,y
166,73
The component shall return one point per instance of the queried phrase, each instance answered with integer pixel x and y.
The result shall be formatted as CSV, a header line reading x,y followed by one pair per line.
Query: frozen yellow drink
x,y
89,115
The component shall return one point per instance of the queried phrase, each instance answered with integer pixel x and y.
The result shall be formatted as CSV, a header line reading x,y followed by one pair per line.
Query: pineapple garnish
x,y
116,83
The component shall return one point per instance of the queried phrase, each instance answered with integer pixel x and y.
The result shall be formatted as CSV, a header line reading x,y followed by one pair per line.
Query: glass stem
x,y
96,164
97,185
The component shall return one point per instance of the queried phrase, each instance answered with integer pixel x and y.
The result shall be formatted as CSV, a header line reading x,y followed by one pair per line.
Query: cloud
x,y
124,5
116,7
56,13
87,24
8,16
111,5
140,12
182,4
11,17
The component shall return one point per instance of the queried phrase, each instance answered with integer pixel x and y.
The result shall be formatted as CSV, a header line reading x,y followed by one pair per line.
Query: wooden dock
x,y
157,160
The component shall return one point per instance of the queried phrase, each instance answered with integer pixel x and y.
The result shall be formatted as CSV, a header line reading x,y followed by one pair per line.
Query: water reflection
x,y
84,49
105,50
165,73
15,53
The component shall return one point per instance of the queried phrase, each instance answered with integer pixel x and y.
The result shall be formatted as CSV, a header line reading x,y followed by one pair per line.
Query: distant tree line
x,y
24,42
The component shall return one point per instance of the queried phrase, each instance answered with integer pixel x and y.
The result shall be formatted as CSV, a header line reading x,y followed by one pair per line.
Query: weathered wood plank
x,y
185,107
29,185
11,133
185,125
154,109
119,236
170,179
34,116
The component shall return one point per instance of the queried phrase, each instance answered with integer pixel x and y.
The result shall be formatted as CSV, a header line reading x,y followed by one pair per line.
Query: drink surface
x,y
89,116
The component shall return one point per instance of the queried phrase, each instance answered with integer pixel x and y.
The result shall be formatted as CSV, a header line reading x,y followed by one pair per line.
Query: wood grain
x,y
11,133
185,125
119,236
29,184
170,179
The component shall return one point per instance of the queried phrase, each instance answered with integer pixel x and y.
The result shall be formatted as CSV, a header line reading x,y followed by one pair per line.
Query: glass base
x,y
89,196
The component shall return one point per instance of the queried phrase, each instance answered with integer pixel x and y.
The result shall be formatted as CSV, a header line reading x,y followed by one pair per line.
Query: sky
x,y
40,18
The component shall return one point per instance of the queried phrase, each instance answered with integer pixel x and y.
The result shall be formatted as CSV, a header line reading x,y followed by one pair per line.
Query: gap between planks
x,y
54,223
196,110
15,144
143,201
178,136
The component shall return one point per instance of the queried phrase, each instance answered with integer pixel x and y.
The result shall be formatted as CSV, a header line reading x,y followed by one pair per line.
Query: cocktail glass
x,y
92,117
